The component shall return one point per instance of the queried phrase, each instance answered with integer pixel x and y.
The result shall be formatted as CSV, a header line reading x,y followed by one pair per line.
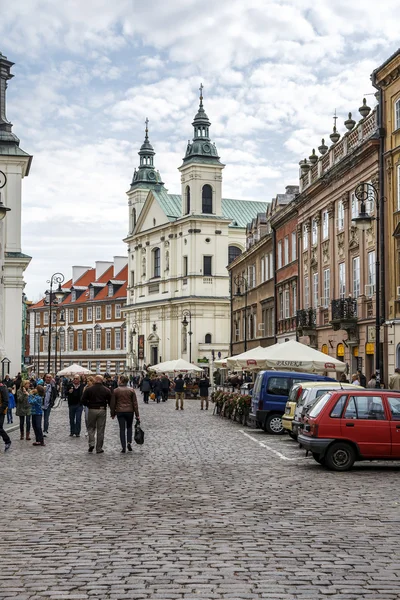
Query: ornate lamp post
x,y
364,221
134,332
186,313
52,299
241,281
59,322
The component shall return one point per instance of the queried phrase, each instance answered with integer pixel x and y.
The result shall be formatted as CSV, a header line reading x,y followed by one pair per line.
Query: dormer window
x,y
110,290
91,293
73,296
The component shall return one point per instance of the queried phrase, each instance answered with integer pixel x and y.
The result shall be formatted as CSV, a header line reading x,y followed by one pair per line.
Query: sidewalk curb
x,y
12,428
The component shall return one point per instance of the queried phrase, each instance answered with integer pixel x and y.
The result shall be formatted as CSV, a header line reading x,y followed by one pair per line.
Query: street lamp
x,y
52,299
3,209
59,322
185,323
241,281
134,332
364,221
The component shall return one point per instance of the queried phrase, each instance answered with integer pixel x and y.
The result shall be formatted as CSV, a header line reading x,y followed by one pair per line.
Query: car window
x,y
303,397
279,386
257,385
293,393
365,407
394,404
337,410
316,409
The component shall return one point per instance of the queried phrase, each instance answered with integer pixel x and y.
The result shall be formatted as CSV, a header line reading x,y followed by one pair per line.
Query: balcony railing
x,y
344,309
306,318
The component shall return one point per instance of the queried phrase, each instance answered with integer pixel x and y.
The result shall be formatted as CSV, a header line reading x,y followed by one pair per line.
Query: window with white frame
x,y
73,296
342,280
70,341
287,303
45,343
371,273
397,114
279,254
45,318
71,315
117,311
98,313
305,236
54,317
117,367
124,338
37,318
80,340
356,277
262,269
117,334
89,365
251,276
306,292
294,246
108,311
98,339
98,366
294,299
91,293
62,341
89,339
327,288
80,314
340,215
110,290
89,314
370,203
354,206
314,232
286,250
108,339
325,225
281,311
315,290
53,342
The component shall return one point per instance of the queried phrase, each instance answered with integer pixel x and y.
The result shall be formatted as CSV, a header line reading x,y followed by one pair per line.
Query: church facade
x,y
179,246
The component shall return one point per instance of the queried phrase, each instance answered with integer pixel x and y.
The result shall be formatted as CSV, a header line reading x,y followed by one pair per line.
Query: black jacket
x,y
96,396
179,384
3,399
75,396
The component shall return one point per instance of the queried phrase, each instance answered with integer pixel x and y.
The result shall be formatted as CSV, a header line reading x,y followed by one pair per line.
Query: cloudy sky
x,y
87,74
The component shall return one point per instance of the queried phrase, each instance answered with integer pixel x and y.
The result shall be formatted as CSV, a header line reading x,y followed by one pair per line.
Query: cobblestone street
x,y
201,511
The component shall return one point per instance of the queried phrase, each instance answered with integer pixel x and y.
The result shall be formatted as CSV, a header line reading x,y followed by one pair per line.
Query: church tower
x,y
201,171
145,178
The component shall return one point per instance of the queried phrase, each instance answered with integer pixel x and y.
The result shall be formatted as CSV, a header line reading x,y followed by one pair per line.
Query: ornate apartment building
x,y
88,325
337,261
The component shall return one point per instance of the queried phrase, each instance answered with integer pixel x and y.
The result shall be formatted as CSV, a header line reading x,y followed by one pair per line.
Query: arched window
x,y
133,217
156,262
207,339
187,200
233,252
251,327
207,207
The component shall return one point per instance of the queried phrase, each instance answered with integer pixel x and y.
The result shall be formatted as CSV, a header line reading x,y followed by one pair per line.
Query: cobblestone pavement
x,y
201,511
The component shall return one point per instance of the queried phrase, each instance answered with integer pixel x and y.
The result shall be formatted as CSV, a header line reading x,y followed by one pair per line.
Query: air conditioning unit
x,y
370,290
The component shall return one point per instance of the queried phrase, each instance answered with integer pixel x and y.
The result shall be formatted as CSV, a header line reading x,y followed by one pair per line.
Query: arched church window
x,y
207,339
187,200
207,207
156,262
233,252
144,267
133,217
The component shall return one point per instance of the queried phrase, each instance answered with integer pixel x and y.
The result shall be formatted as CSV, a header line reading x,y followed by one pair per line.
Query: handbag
x,y
139,434
152,396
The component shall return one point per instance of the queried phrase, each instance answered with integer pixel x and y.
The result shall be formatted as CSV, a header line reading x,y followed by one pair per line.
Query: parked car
x,y
270,393
348,426
301,398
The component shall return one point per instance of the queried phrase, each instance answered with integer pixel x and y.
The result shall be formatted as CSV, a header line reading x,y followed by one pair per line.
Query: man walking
x,y
50,395
3,412
204,384
124,406
96,397
179,391
75,407
165,383
394,383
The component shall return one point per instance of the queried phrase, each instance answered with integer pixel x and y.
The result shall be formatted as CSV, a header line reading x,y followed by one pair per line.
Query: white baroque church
x,y
178,299
14,166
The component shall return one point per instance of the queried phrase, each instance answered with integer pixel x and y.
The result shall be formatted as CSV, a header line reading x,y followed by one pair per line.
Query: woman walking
x,y
36,402
124,405
24,410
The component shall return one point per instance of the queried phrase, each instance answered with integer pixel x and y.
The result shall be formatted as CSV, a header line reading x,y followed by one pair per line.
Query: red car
x,y
345,426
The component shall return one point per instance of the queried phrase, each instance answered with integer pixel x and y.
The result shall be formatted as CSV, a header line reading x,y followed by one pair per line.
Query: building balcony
x,y
306,319
344,314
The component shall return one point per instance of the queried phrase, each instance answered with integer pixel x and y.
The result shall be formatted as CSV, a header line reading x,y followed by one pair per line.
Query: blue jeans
x,y
125,421
46,417
37,427
75,418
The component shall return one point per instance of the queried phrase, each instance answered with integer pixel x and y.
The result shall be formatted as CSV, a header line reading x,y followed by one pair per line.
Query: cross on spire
x,y
147,128
334,118
201,94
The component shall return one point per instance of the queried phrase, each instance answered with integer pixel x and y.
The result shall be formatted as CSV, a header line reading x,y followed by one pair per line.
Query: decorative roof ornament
x,y
313,158
304,166
6,134
335,135
201,148
350,123
323,148
146,176
364,110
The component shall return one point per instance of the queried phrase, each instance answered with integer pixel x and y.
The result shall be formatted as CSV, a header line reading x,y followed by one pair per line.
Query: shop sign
x,y
371,333
355,351
203,360
369,348
324,349
141,346
340,350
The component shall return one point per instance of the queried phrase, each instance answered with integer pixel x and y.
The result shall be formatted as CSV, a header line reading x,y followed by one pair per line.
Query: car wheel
x,y
320,459
292,435
340,457
274,425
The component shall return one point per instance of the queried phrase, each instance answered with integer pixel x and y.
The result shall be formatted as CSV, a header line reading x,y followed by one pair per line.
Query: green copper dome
x,y
146,175
201,148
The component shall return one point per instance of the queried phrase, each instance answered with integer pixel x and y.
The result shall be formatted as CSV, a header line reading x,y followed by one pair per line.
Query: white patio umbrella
x,y
247,358
74,369
221,363
290,356
175,366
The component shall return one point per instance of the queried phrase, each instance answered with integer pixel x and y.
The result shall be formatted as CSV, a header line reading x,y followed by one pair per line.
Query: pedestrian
x,y
124,406
11,405
145,388
204,384
179,391
50,395
96,397
372,382
156,387
24,410
165,385
354,379
18,382
75,407
361,378
36,399
3,412
343,378
90,382
394,382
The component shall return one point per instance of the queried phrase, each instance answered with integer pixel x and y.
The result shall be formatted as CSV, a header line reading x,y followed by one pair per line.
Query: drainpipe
x,y
275,294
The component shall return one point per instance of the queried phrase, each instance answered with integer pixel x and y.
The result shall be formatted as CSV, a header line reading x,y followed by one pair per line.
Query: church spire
x,y
146,175
6,134
201,145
